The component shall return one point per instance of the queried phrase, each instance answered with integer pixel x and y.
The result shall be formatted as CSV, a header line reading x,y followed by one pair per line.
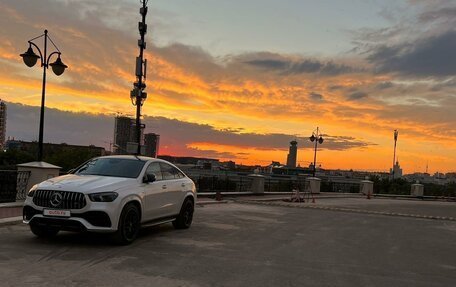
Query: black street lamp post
x,y
318,139
58,67
137,95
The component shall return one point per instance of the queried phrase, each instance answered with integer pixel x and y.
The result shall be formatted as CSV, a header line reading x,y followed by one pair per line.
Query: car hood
x,y
86,183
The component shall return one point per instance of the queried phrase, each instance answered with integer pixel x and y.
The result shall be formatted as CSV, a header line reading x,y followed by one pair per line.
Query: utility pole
x,y
137,95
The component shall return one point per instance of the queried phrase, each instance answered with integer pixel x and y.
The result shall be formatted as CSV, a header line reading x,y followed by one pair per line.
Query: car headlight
x,y
32,190
103,196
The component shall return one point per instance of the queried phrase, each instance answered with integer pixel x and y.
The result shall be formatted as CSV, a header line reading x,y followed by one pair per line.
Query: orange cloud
x,y
186,83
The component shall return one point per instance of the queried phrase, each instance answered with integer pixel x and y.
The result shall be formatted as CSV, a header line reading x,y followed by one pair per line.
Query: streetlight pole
x,y
137,95
318,139
396,133
58,67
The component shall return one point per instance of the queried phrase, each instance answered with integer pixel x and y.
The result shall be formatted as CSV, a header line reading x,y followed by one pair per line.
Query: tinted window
x,y
154,168
179,173
117,167
170,172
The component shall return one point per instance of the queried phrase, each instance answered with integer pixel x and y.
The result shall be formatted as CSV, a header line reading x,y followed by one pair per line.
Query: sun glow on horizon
x,y
247,94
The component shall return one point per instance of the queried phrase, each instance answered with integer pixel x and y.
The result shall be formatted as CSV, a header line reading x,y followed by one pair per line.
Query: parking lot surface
x,y
410,207
244,245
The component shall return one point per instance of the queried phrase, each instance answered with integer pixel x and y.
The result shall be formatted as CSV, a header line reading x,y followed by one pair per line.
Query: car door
x,y
185,184
173,180
156,201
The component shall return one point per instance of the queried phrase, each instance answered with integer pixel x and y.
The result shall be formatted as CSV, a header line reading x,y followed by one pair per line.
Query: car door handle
x,y
183,185
164,186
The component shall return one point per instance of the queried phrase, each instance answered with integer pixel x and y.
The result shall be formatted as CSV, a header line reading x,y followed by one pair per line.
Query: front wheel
x,y
185,217
129,224
43,231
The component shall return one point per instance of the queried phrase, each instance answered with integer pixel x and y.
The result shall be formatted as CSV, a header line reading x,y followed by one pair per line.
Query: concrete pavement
x,y
436,210
243,245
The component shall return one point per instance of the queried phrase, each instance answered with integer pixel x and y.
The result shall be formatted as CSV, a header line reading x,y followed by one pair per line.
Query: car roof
x,y
144,158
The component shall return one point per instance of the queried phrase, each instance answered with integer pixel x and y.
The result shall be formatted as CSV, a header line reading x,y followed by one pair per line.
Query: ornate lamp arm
x,y
39,51
47,61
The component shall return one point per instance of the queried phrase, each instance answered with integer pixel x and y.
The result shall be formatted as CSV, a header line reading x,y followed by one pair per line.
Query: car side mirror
x,y
71,171
149,178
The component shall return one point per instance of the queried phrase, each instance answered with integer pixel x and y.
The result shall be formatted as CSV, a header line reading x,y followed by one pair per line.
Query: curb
x,y
10,220
12,204
339,209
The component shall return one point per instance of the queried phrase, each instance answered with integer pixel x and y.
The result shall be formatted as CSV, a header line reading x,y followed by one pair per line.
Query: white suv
x,y
114,194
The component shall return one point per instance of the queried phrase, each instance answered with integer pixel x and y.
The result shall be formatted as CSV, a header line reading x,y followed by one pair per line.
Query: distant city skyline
x,y
98,131
245,77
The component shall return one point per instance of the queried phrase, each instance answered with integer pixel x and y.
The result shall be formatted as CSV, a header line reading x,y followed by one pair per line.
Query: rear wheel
x,y
43,231
129,224
185,217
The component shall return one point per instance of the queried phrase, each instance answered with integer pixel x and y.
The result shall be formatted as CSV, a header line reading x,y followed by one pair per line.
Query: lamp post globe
x,y
58,67
29,57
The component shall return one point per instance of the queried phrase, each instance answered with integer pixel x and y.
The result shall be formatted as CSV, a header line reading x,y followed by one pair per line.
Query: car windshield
x,y
117,167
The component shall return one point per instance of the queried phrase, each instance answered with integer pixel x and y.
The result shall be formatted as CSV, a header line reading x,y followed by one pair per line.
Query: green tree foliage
x,y
402,187
10,158
66,157
69,158
386,186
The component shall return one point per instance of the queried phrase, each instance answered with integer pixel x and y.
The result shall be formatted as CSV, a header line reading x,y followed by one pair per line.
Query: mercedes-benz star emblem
x,y
56,199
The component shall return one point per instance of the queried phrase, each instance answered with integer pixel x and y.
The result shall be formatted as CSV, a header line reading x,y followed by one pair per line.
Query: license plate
x,y
59,213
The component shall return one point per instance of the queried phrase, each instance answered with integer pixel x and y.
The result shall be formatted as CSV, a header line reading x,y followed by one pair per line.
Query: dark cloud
x,y
450,83
345,142
190,58
432,56
441,14
178,136
357,96
421,45
300,66
315,96
269,64
335,87
233,130
384,85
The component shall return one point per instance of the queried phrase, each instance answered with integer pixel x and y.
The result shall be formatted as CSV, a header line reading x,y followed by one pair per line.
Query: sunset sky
x,y
239,79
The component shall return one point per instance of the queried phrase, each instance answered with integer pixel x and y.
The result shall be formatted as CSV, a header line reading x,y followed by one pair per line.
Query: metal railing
x,y
22,181
222,184
13,185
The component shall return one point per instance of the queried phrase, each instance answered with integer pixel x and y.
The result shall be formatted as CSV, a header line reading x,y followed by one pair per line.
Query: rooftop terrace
x,y
254,243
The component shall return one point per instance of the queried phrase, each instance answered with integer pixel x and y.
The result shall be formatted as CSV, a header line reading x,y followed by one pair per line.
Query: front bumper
x,y
85,221
94,217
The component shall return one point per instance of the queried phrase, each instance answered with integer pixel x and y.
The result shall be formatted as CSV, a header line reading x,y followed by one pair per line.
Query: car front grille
x,y
59,199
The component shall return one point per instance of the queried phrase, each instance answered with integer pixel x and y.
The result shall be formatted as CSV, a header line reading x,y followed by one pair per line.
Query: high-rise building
x,y
396,171
292,154
152,143
122,134
133,132
125,135
2,124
